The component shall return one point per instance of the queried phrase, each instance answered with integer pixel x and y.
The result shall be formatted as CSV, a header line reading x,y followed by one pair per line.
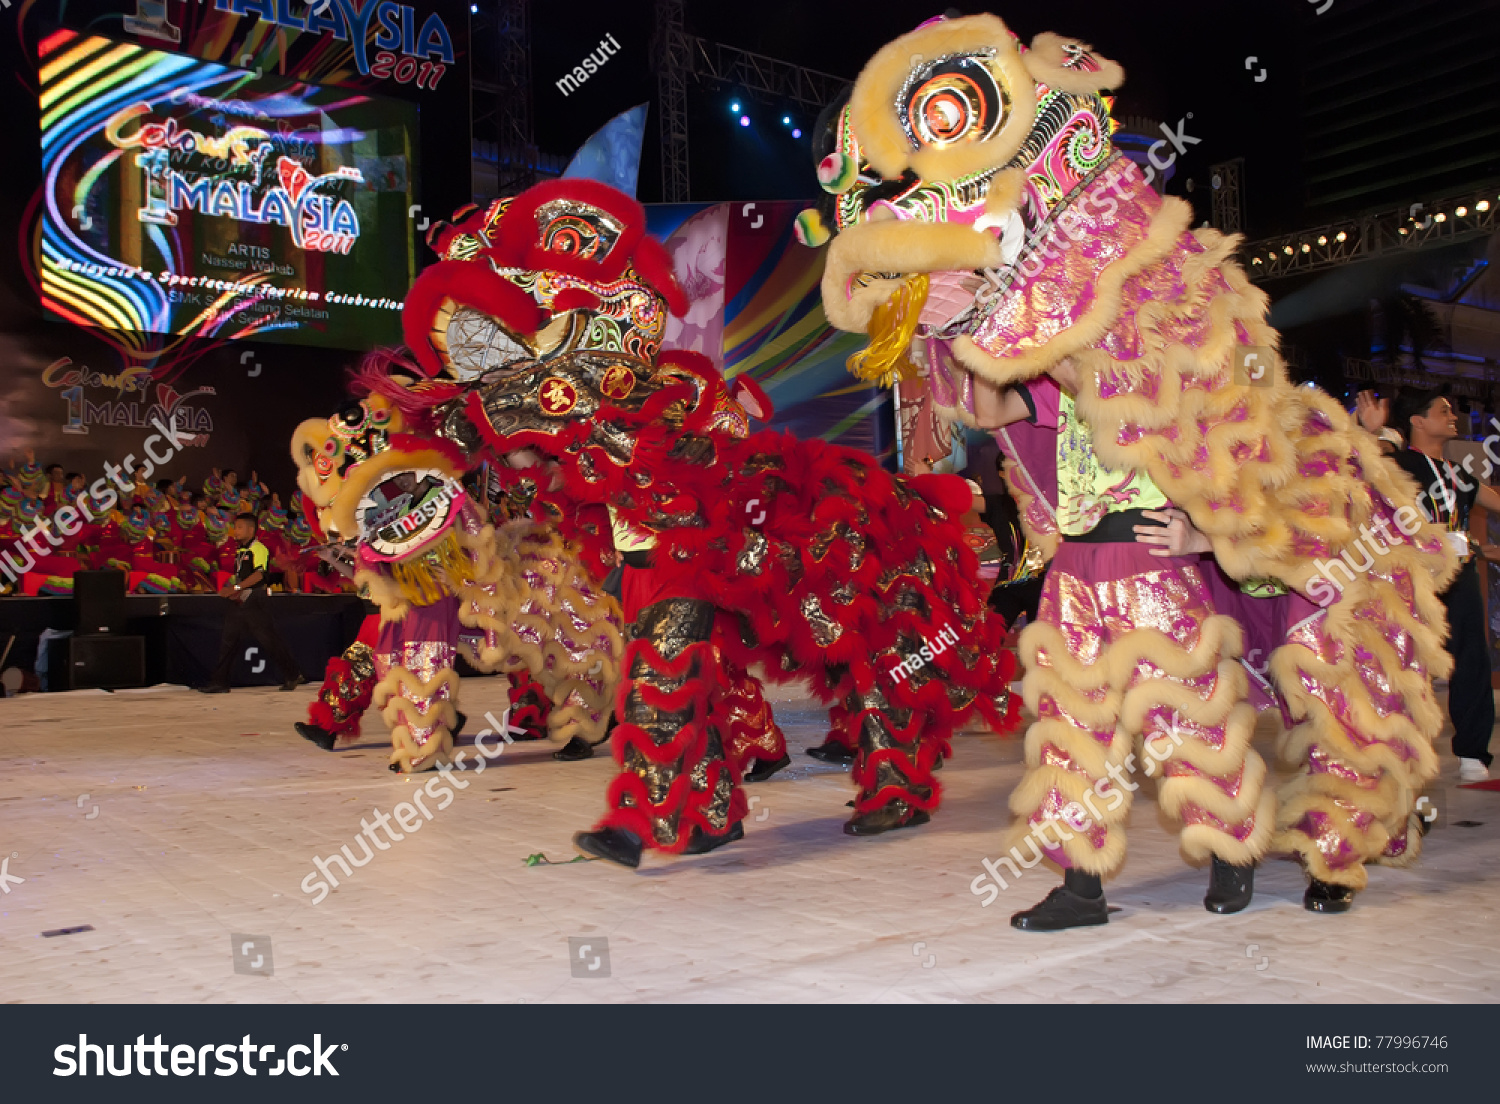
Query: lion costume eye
x,y
951,100
573,235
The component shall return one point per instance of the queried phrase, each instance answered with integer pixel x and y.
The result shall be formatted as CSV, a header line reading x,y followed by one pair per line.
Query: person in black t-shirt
x,y
1448,492
248,612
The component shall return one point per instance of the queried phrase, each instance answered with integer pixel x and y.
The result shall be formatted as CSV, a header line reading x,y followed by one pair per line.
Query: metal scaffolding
x,y
1228,203
680,57
673,50
1412,228
501,106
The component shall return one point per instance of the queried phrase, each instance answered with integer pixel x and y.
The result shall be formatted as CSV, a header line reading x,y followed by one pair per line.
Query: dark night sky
x,y
1180,56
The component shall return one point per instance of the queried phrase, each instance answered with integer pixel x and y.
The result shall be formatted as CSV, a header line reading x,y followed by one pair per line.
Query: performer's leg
x,y
235,629
893,767
1352,800
343,697
1471,697
417,686
842,742
753,740
677,789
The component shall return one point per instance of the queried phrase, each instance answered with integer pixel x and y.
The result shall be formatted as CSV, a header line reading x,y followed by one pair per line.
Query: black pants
x,y
252,617
1471,701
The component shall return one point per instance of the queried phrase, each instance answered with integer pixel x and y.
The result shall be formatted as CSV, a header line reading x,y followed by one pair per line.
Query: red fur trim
x,y
517,236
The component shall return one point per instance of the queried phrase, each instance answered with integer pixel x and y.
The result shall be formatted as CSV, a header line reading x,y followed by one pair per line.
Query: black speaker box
x,y
97,662
99,598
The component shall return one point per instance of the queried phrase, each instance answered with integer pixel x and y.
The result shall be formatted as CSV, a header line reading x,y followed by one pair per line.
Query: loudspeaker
x,y
97,662
99,598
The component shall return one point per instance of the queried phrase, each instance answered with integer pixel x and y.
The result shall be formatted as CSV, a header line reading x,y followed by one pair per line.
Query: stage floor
x,y
175,824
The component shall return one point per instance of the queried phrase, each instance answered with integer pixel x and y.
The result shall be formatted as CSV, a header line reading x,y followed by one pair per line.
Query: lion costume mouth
x,y
407,512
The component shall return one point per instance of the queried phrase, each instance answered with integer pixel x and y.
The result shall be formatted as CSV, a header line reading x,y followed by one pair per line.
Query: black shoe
x,y
702,843
764,768
618,845
320,736
831,751
897,814
575,749
292,683
1229,887
459,720
1325,897
1062,909
213,688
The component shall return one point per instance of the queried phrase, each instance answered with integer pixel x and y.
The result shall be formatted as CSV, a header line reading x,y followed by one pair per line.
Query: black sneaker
x,y
460,718
897,814
318,735
292,683
213,688
1229,887
702,843
618,845
575,749
831,751
764,768
1062,909
1326,897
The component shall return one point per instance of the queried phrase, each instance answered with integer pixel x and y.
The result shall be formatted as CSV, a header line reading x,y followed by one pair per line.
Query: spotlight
x,y
1255,260
1402,230
786,120
1440,217
1322,239
1287,250
735,107
1341,236
744,120
1461,212
1482,205
1306,248
473,9
796,133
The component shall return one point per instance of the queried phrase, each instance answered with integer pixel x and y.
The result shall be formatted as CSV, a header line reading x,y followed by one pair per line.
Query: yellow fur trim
x,y
872,103
1044,61
904,247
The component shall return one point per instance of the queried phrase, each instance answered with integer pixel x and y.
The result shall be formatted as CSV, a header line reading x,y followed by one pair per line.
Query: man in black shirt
x,y
248,612
1427,421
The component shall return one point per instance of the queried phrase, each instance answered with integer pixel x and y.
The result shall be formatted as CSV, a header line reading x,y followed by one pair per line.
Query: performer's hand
x,y
1175,536
1373,413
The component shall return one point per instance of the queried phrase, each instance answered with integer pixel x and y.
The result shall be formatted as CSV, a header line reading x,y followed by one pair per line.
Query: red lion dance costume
x,y
988,230
539,334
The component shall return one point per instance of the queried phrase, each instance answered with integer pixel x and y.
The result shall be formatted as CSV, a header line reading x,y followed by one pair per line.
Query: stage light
x,y
1322,239
796,133
786,120
1440,217
744,120
735,107
1287,250
1341,236
1461,212
1255,260
473,9
1306,248
1482,205
1402,230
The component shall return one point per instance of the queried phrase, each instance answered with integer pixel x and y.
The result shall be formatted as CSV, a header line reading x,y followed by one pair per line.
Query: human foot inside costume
x,y
988,233
540,330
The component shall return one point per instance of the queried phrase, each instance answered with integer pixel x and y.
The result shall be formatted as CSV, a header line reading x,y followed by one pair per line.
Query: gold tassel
x,y
892,325
442,570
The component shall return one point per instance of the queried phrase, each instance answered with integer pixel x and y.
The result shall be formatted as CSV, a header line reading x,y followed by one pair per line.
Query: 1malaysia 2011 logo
x,y
425,53
318,222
